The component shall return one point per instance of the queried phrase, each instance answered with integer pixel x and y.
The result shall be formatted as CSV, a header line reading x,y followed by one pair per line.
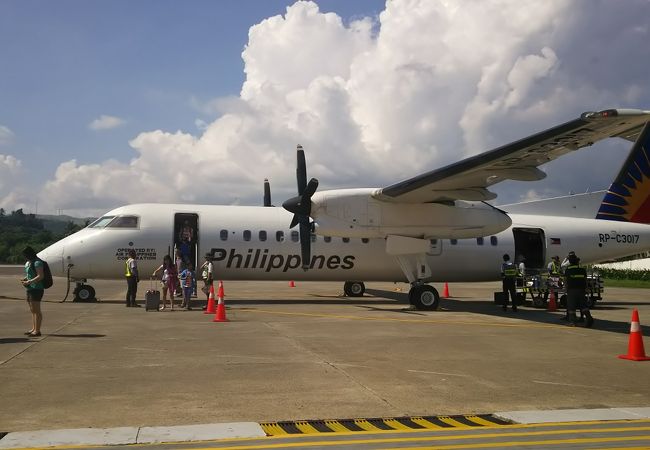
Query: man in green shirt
x,y
33,282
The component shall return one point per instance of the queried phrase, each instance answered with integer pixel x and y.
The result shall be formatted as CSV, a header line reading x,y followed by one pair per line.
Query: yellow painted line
x,y
473,436
559,442
426,424
393,319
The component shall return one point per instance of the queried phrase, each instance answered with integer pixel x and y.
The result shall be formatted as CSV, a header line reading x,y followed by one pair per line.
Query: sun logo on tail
x,y
628,198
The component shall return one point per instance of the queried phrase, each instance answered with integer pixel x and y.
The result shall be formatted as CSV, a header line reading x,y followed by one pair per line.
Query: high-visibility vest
x,y
555,268
128,268
509,270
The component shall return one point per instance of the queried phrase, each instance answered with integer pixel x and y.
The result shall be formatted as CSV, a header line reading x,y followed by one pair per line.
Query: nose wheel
x,y
424,297
84,293
354,288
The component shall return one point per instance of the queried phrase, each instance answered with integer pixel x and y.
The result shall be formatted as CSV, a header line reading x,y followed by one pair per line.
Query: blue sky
x,y
199,101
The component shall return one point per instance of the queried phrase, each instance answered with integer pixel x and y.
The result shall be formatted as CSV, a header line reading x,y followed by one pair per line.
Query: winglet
x,y
628,198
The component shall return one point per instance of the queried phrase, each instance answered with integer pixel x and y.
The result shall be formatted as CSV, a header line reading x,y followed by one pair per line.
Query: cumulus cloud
x,y
12,195
381,99
6,135
106,123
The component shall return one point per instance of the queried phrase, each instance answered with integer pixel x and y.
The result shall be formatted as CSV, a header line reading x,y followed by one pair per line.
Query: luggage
x,y
152,300
499,298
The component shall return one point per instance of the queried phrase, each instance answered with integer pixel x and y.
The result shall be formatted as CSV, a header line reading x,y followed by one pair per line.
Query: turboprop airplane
x,y
434,227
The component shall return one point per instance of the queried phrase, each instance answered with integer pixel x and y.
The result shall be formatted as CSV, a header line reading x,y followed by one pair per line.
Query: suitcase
x,y
499,298
152,300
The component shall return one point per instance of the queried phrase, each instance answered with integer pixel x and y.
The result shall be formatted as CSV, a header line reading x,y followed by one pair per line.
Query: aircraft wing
x,y
469,179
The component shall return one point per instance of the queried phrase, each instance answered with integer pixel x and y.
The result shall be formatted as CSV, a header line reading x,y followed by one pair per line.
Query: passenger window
x,y
101,222
247,235
493,240
327,238
346,240
124,222
295,236
279,236
365,240
223,234
262,235
453,241
479,240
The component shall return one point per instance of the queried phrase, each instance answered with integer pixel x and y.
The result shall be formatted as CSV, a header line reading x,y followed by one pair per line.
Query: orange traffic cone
x,y
552,303
220,316
211,309
292,284
445,292
635,350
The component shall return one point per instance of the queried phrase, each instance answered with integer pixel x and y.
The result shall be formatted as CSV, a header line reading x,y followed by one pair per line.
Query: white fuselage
x,y
254,243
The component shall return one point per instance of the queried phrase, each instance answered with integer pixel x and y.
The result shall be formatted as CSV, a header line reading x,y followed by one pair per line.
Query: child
x,y
186,276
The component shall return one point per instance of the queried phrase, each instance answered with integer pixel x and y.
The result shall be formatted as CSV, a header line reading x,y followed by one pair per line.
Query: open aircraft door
x,y
186,236
530,243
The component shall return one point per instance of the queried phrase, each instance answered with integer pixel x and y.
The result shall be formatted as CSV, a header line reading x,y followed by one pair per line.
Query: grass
x,y
611,282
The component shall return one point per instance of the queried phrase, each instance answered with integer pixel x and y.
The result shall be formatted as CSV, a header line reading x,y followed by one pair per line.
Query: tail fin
x,y
628,198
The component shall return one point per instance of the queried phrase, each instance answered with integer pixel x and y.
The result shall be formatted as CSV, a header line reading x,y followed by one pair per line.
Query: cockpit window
x,y
124,222
101,222
115,222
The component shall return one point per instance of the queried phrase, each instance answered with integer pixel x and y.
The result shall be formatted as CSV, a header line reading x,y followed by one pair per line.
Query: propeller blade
x,y
305,243
301,170
267,193
310,189
294,221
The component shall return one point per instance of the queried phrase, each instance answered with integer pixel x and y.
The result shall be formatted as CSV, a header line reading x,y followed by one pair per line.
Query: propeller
x,y
267,193
300,206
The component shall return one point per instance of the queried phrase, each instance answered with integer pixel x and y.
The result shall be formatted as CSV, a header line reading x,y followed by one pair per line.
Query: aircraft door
x,y
530,243
186,237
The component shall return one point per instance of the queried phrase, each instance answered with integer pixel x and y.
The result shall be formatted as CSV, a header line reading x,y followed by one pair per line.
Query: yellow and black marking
x,y
378,424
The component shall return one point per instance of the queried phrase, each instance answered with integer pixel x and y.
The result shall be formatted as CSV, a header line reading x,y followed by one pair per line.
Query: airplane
x,y
435,227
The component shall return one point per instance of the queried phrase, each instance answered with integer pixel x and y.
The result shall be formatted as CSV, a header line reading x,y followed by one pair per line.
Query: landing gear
x,y
354,288
84,293
424,297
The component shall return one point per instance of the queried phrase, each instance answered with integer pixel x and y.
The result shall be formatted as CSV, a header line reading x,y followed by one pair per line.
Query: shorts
x,y
35,295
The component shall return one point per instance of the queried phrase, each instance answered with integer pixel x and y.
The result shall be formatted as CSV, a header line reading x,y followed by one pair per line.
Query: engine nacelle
x,y
356,213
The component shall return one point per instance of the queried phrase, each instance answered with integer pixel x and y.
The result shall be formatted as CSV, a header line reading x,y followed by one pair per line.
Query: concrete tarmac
x,y
306,353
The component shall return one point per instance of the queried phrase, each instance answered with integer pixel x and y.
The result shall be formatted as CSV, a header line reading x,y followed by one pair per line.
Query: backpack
x,y
47,275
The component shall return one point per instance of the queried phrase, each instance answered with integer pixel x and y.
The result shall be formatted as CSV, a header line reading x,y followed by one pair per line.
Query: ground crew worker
x,y
576,284
132,278
509,276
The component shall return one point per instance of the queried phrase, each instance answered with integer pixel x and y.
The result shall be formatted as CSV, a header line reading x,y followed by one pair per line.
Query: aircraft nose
x,y
53,255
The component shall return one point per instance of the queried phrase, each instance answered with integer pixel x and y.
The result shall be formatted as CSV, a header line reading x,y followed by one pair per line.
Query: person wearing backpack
x,y
35,286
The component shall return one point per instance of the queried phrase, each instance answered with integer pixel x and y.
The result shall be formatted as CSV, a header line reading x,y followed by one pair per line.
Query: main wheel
x,y
354,288
424,297
84,293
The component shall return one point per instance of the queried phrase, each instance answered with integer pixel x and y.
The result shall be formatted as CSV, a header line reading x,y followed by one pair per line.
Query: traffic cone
x,y
220,316
211,309
292,284
635,350
445,292
552,303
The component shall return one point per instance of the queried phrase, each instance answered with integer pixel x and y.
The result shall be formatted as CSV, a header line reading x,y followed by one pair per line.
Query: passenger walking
x,y
576,289
207,277
33,283
168,280
186,276
509,276
132,279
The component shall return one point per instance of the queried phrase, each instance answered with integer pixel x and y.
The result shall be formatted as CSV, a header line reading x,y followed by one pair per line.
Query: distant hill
x,y
57,224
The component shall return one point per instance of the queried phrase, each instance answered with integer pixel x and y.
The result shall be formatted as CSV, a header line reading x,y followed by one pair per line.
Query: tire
x,y
538,301
563,301
354,288
84,293
424,297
